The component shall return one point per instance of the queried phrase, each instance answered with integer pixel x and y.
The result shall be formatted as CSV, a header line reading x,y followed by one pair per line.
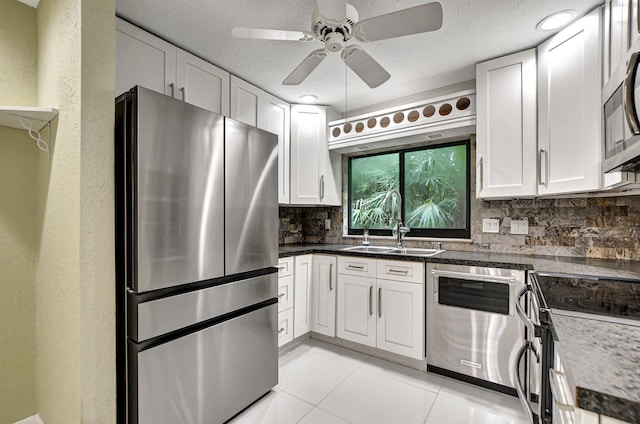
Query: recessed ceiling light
x,y
555,21
308,98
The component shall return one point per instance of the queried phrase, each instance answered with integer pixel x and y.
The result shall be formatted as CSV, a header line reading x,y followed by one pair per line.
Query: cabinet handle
x,y
379,302
184,94
481,174
370,300
330,274
359,267
281,266
322,187
281,330
628,89
540,173
281,295
398,271
173,89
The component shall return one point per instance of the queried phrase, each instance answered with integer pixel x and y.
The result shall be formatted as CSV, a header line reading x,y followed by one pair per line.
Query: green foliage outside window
x,y
433,186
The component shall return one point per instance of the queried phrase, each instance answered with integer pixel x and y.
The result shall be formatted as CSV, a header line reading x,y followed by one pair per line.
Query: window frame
x,y
442,233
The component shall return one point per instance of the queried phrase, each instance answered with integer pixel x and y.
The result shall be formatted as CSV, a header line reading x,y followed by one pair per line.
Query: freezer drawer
x,y
208,376
154,318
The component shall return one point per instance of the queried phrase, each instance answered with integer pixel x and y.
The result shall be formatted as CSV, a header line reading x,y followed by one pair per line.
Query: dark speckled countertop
x,y
602,354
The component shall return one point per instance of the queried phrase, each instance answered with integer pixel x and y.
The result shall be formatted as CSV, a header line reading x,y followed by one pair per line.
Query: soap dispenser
x,y
365,237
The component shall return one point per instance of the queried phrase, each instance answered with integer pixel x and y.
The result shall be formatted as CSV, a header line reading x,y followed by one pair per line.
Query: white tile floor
x,y
325,384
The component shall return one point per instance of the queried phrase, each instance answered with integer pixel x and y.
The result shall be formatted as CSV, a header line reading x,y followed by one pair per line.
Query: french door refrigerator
x,y
196,249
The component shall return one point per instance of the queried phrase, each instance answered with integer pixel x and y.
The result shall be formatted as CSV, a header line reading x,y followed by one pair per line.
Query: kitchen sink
x,y
416,251
370,249
394,250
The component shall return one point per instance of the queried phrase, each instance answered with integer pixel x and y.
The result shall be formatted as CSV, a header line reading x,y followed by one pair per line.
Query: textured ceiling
x,y
472,31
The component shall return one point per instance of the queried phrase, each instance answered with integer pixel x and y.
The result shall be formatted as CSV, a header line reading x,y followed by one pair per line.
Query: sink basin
x,y
415,251
371,249
394,250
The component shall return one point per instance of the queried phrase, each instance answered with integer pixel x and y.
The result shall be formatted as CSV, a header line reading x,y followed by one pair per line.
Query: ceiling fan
x,y
335,22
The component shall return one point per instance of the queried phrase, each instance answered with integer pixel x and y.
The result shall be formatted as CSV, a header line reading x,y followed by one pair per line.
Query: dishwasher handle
x,y
474,277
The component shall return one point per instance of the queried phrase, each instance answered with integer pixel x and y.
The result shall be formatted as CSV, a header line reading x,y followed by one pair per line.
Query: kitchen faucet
x,y
400,229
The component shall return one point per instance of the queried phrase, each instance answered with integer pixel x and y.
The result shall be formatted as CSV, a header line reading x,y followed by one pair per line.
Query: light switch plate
x,y
491,225
327,224
519,226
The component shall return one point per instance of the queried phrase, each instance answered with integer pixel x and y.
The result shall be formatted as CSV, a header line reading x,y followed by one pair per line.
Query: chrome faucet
x,y
399,228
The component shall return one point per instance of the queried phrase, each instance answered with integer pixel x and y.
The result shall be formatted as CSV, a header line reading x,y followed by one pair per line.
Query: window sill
x,y
434,239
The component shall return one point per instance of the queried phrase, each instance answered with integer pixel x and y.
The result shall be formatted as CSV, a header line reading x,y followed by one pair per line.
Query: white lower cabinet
x,y
323,295
302,295
285,327
386,313
400,325
285,301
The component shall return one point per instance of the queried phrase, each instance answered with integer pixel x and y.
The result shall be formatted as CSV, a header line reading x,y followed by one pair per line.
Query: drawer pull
x,y
281,267
281,330
282,295
351,266
398,271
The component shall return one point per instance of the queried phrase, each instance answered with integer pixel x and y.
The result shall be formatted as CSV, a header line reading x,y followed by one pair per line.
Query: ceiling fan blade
x,y
305,68
333,10
366,67
414,20
271,34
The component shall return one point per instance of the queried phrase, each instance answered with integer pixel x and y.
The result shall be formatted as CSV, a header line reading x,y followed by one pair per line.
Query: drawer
x,y
285,267
285,293
409,272
285,327
363,267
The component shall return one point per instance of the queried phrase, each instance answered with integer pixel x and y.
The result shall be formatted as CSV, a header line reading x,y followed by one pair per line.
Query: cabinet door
x,y
143,59
244,102
308,124
302,295
400,312
323,297
569,120
202,84
506,126
275,117
356,319
315,174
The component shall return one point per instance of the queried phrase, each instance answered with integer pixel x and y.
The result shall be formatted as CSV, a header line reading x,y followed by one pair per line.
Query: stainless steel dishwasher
x,y
473,332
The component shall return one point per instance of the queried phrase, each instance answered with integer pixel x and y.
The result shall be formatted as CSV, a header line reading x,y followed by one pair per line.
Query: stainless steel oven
x,y
473,332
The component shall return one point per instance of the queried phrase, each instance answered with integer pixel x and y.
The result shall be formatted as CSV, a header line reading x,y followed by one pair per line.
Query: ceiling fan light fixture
x,y
556,20
308,98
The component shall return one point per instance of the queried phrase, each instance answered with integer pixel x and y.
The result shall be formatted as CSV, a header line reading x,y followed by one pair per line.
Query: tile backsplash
x,y
598,227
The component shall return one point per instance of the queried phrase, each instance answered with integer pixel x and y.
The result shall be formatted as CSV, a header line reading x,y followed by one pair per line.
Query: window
x,y
433,181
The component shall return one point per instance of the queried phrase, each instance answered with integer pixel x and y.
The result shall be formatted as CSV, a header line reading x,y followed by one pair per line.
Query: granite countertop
x,y
553,265
602,354
602,361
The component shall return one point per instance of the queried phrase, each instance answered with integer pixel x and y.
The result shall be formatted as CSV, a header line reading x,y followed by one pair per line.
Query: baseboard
x,y
34,419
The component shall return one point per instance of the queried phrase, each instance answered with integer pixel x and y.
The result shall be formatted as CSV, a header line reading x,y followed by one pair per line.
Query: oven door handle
x,y
532,416
520,310
474,277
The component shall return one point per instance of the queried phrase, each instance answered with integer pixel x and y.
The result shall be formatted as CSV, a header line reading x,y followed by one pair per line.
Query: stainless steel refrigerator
x,y
196,250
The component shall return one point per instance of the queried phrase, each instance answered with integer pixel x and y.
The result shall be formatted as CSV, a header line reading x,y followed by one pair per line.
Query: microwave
x,y
622,122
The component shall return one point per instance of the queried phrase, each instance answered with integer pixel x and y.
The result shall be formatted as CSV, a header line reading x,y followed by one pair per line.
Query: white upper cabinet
x,y
253,106
146,60
202,84
569,114
506,126
316,175
143,59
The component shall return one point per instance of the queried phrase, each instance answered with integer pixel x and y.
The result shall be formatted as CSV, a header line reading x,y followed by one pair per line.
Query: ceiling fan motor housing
x,y
334,33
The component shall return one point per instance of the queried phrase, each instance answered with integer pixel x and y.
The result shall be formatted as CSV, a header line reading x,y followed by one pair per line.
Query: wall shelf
x,y
31,119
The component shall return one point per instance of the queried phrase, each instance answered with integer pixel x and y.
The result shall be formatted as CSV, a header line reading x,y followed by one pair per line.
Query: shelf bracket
x,y
27,124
